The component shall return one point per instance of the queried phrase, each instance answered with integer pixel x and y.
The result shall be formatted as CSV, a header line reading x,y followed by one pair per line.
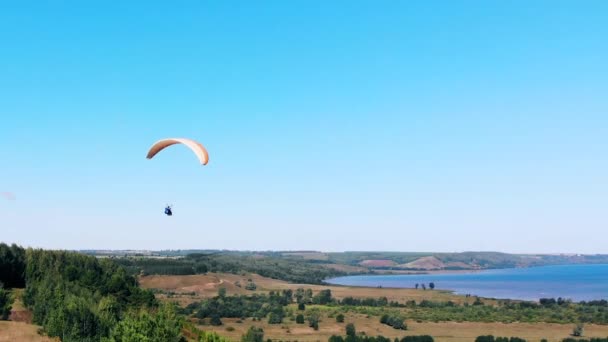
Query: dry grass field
x,y
21,332
441,332
207,286
19,327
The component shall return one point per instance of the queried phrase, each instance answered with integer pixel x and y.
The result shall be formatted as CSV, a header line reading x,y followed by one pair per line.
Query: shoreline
x,y
518,283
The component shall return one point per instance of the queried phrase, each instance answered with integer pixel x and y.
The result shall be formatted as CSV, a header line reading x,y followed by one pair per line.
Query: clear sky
x,y
331,125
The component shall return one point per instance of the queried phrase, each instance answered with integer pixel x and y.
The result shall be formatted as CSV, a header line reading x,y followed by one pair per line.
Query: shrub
x,y
300,319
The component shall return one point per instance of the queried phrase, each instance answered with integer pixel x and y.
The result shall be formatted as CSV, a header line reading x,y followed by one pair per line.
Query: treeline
x,y
288,269
259,306
505,311
256,306
491,338
12,268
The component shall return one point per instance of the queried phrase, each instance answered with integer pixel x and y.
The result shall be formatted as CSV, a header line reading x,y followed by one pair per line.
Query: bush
x,y
419,338
163,325
350,330
300,319
578,330
215,320
396,322
340,318
254,334
275,318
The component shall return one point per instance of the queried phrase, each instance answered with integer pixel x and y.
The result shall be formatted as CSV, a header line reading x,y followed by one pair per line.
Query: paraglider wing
x,y
196,147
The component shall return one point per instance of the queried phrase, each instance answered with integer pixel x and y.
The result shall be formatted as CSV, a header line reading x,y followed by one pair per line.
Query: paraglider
x,y
196,147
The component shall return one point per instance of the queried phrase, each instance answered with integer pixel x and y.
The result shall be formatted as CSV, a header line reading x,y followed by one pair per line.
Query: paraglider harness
x,y
168,211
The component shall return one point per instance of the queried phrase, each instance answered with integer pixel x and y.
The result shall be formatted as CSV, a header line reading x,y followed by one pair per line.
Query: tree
x,y
323,297
12,266
5,303
299,295
350,330
340,318
308,296
313,320
301,306
215,320
208,336
578,330
432,285
275,318
222,292
254,334
201,268
163,325
300,319
423,287
417,285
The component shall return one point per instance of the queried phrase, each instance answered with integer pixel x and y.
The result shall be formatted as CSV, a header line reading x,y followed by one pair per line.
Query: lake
x,y
576,282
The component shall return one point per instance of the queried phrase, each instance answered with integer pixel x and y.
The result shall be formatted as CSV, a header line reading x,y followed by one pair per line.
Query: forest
x,y
287,269
77,297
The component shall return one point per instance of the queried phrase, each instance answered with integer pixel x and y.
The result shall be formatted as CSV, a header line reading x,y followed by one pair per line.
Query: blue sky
x,y
331,125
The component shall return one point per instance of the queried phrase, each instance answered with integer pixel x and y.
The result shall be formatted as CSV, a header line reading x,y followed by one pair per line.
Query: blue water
x,y
576,282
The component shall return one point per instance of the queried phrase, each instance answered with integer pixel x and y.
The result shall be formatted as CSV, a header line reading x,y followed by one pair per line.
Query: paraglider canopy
x,y
196,147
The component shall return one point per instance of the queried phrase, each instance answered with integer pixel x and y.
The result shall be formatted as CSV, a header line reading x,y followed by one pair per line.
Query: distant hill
x,y
371,262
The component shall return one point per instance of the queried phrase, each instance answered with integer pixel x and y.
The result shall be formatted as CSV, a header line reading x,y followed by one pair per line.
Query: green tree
x,y
301,306
164,325
215,320
340,318
275,318
254,334
578,330
221,292
12,266
300,319
313,319
6,302
300,295
323,297
432,285
350,330
208,336
308,296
